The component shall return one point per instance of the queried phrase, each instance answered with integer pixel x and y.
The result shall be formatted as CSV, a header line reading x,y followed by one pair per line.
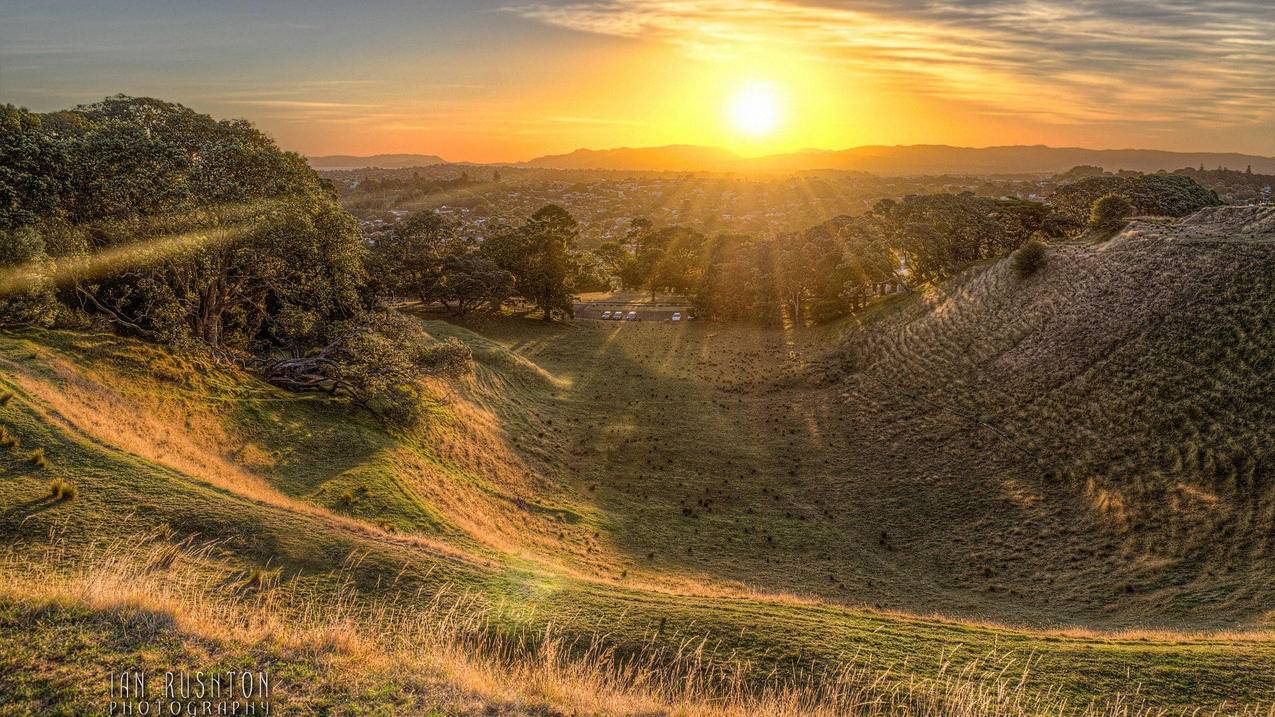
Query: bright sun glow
x,y
754,110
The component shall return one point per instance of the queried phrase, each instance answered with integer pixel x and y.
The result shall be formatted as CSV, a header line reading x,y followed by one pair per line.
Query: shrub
x,y
61,489
1110,212
27,295
376,362
1030,258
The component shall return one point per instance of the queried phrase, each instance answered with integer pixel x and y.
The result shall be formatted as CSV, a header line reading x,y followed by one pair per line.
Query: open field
x,y
997,496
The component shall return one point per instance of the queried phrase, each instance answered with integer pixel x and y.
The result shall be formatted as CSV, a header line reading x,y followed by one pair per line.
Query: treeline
x,y
150,219
1234,186
833,268
1169,195
829,269
814,275
384,192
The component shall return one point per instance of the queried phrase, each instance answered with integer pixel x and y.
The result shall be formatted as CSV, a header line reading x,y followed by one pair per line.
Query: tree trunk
x,y
208,326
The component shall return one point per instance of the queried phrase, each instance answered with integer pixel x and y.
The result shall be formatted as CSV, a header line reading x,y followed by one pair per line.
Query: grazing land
x,y
999,494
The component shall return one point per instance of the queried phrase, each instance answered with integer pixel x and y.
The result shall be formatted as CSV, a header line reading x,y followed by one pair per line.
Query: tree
x,y
673,259
471,280
32,170
616,261
410,256
869,258
939,234
538,255
589,272
1110,212
738,280
807,269
182,228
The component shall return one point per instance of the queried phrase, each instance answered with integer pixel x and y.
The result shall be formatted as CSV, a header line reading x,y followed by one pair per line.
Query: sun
x,y
755,110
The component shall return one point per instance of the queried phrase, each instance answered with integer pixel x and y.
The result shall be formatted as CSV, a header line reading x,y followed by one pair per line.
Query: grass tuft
x,y
38,459
62,489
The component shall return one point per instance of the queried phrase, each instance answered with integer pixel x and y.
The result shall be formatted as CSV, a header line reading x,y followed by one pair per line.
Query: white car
x,y
677,316
632,316
617,316
606,315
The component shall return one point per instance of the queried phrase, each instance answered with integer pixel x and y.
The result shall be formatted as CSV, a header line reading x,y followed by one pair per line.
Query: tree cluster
x,y
428,258
1170,195
192,232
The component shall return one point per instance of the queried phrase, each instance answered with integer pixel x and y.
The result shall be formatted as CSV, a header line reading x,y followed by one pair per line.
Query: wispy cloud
x,y
1131,61
300,104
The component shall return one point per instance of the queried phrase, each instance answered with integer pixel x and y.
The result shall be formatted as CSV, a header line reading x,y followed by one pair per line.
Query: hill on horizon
x,y
901,159
669,158
918,159
383,161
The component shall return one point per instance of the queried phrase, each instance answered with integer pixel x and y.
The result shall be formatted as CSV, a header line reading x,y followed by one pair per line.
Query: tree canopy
x,y
538,254
179,227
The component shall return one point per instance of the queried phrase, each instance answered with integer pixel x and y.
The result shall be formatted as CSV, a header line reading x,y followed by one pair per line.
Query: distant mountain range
x,y
877,159
902,159
672,158
384,161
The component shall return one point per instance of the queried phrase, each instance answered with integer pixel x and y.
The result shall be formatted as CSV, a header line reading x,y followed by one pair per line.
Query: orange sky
x,y
498,81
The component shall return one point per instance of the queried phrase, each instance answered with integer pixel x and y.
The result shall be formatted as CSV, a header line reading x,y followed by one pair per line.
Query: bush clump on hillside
x,y
376,362
26,291
1170,195
202,234
1029,258
1110,212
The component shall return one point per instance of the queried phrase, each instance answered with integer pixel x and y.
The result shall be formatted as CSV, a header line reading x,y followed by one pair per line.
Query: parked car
x,y
677,316
606,315
632,316
617,316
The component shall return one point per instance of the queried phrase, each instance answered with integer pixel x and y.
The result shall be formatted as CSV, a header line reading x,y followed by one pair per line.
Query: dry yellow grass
x,y
166,589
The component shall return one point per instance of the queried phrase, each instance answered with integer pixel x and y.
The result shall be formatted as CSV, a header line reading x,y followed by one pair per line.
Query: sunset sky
x,y
504,80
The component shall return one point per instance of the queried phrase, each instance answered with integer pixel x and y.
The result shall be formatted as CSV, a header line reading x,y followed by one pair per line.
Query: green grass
x,y
730,483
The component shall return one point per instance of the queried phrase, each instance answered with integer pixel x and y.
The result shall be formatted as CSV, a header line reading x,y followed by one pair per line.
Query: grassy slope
x,y
603,477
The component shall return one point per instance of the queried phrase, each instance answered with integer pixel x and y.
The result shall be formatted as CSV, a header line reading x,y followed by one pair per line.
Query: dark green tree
x,y
409,258
538,255
182,228
472,280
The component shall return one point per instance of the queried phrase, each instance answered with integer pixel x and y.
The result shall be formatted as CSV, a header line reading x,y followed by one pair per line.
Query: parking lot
x,y
645,312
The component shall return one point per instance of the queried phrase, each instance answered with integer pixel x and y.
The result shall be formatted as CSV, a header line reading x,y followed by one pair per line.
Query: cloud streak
x,y
1145,62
